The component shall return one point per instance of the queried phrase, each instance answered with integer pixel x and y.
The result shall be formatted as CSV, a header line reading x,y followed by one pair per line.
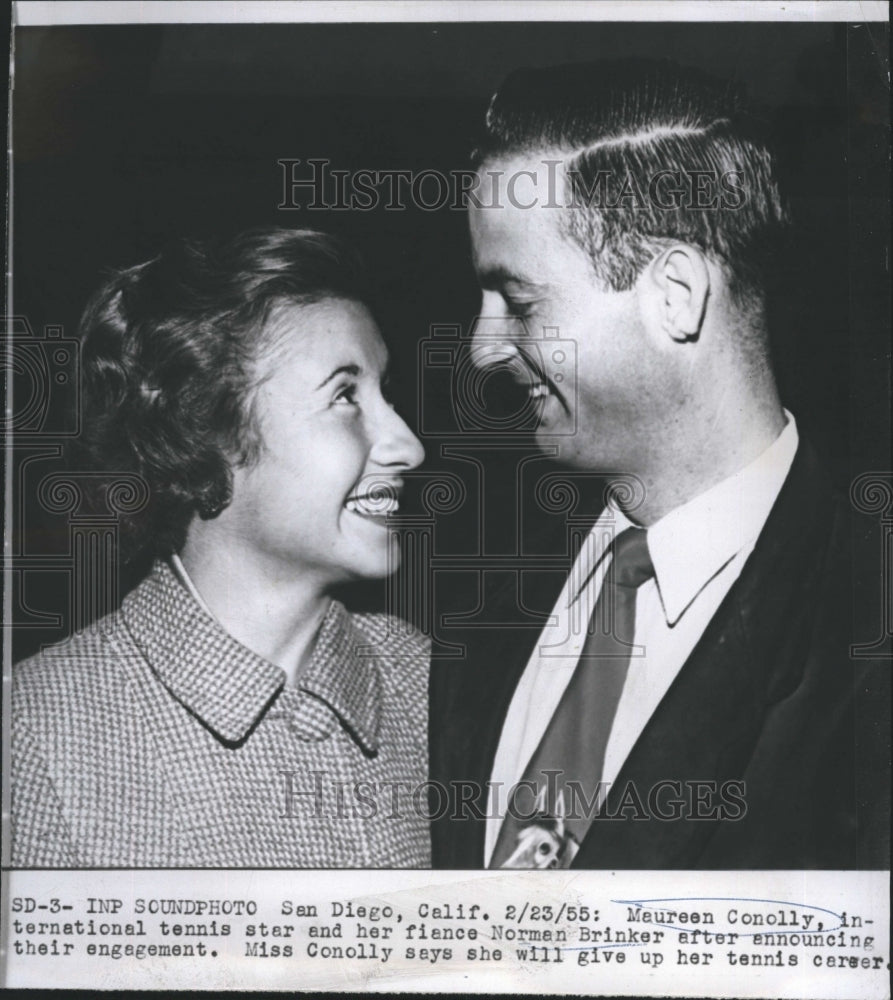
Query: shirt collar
x,y
226,685
180,572
693,543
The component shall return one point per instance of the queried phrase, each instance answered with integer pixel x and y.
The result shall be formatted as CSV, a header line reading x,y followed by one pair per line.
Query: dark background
x,y
125,137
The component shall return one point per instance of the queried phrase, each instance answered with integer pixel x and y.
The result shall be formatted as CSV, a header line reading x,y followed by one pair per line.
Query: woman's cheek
x,y
347,447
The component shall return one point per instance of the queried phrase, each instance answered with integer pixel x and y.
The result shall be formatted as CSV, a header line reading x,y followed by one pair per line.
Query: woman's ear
x,y
678,283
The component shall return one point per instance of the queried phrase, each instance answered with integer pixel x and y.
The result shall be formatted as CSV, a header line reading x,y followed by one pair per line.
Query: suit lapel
x,y
708,723
706,720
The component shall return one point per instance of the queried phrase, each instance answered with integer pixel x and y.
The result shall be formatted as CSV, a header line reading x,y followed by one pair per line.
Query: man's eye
x,y
346,396
519,309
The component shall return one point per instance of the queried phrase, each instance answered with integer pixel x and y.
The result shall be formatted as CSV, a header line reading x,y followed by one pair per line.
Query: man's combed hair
x,y
634,136
169,356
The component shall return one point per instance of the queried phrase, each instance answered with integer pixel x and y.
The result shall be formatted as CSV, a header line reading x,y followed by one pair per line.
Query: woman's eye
x,y
347,395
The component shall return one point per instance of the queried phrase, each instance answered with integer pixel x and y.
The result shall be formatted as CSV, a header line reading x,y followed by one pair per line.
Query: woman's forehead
x,y
319,334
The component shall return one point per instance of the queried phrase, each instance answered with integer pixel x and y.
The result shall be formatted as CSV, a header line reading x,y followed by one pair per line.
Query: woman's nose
x,y
395,444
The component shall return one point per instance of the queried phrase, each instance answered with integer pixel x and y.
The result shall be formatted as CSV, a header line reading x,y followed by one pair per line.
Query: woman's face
x,y
329,437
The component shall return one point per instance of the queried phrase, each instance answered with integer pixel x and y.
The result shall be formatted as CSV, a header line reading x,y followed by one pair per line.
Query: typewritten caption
x,y
811,934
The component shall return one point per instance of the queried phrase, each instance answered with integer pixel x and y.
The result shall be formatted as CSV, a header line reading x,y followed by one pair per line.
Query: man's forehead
x,y
531,185
542,163
518,217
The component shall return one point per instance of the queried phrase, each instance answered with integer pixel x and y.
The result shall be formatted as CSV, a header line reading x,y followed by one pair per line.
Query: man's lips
x,y
540,388
539,385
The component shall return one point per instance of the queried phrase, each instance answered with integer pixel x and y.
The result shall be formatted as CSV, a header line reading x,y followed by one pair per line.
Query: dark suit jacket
x,y
770,697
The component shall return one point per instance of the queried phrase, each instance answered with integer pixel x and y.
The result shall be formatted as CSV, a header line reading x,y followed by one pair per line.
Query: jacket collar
x,y
749,658
227,686
345,676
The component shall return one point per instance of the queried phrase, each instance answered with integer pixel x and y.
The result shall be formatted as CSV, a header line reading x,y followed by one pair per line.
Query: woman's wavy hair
x,y
169,357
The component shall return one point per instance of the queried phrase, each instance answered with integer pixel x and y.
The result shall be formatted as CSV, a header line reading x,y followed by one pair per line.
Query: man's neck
x,y
713,449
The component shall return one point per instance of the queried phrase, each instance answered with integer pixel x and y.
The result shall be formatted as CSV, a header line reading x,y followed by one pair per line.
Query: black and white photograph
x,y
448,532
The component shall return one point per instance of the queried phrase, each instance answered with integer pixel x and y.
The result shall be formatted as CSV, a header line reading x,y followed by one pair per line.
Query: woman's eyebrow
x,y
351,369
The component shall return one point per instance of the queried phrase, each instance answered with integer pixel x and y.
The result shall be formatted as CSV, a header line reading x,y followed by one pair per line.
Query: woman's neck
x,y
274,614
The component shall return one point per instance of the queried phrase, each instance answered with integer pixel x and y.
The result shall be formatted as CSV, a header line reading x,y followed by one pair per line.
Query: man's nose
x,y
494,341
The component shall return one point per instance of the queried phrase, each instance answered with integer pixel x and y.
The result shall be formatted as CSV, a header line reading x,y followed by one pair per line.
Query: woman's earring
x,y
217,500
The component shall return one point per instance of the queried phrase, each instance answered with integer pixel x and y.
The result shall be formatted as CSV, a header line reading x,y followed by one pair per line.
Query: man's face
x,y
535,278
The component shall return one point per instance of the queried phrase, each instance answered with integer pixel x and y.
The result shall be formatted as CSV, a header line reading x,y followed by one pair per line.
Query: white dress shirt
x,y
698,551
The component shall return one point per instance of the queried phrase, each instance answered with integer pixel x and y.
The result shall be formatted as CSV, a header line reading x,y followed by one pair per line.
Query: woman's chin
x,y
373,566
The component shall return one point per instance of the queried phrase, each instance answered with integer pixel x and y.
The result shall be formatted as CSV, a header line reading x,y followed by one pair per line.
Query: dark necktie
x,y
546,819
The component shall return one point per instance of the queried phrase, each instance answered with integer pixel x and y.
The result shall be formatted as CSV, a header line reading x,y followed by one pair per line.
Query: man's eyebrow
x,y
351,369
495,278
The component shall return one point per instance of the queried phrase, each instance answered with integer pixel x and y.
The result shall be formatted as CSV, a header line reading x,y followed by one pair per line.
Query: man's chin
x,y
575,451
555,432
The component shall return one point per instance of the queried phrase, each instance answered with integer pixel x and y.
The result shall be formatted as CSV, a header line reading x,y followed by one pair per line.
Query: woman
x,y
232,713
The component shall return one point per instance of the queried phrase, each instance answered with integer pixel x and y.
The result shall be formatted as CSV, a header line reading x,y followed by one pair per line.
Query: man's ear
x,y
679,280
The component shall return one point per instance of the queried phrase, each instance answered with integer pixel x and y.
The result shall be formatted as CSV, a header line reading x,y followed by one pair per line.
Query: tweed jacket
x,y
155,739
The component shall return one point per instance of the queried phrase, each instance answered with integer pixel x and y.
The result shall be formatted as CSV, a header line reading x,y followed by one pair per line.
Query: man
x,y
691,701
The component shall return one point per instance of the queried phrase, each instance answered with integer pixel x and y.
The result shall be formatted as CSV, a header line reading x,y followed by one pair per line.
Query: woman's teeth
x,y
373,505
